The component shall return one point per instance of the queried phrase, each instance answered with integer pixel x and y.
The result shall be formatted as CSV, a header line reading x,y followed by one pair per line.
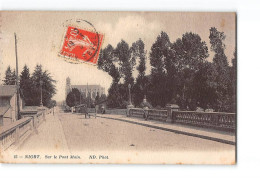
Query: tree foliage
x,y
48,86
180,72
221,70
159,55
30,87
189,55
26,85
106,62
141,85
126,63
74,97
10,76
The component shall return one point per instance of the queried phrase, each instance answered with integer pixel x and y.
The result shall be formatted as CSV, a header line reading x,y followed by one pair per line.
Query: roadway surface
x,y
100,133
72,133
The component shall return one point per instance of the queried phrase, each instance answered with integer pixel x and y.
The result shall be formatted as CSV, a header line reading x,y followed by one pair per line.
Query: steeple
x,y
68,87
68,80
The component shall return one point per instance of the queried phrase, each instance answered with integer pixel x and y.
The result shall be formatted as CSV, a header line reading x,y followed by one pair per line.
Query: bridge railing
x,y
13,134
152,114
218,120
136,112
116,111
107,111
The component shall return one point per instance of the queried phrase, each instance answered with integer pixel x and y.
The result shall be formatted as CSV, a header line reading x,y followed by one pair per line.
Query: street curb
x,y
175,131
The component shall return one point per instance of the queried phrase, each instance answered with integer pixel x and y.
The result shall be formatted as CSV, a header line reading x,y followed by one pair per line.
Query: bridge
x,y
54,136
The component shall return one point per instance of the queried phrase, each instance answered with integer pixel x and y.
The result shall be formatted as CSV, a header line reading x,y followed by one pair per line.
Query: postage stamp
x,y
83,45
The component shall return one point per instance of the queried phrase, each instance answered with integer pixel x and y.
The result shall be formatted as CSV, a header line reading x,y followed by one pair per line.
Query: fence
x,y
217,120
225,121
116,111
107,111
13,134
152,114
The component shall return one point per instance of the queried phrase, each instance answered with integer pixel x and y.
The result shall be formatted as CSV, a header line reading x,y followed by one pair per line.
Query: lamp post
x,y
41,82
129,106
129,87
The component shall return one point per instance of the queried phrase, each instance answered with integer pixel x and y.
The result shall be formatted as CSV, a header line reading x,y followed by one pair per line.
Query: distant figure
x,y
199,109
146,113
86,111
53,110
146,106
209,109
96,109
103,110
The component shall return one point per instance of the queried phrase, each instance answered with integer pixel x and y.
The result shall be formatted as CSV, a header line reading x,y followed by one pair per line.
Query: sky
x,y
40,37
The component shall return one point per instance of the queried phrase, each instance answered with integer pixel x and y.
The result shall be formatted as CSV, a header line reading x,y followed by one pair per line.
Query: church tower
x,y
68,86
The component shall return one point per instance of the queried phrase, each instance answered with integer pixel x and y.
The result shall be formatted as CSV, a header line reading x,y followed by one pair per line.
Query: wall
x,y
153,114
4,101
13,102
7,118
217,120
116,111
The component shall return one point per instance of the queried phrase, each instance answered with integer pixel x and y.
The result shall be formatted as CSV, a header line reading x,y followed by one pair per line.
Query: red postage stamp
x,y
81,45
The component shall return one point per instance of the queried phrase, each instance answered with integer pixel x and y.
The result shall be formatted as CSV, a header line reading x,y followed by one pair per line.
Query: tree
x,y
103,98
204,92
106,63
10,77
97,98
190,51
189,54
141,85
89,101
73,98
159,54
48,86
52,103
119,65
221,69
117,97
26,86
233,76
126,63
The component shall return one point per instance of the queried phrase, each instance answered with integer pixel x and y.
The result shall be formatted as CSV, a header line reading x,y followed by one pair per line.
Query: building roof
x,y
7,90
3,109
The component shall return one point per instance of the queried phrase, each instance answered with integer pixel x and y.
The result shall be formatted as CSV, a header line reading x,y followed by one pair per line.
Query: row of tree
x,y
31,85
75,97
181,73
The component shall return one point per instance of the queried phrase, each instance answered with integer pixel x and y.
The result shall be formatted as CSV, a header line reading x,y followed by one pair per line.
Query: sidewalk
x,y
49,137
208,134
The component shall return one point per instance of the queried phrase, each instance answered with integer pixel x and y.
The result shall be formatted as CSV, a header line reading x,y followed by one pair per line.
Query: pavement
x,y
119,139
209,134
48,137
114,132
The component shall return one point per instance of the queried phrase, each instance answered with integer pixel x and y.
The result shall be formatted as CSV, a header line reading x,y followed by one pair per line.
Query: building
x,y
86,90
8,104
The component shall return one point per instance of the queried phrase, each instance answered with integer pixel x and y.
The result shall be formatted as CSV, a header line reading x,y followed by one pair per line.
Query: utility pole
x,y
17,81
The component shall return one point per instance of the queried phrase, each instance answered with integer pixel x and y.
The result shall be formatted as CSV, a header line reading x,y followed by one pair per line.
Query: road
x,y
99,133
123,142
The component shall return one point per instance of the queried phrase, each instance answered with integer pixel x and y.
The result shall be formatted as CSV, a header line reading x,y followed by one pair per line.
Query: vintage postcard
x,y
118,87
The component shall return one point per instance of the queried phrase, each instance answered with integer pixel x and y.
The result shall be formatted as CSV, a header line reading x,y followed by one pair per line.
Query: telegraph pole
x,y
17,80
